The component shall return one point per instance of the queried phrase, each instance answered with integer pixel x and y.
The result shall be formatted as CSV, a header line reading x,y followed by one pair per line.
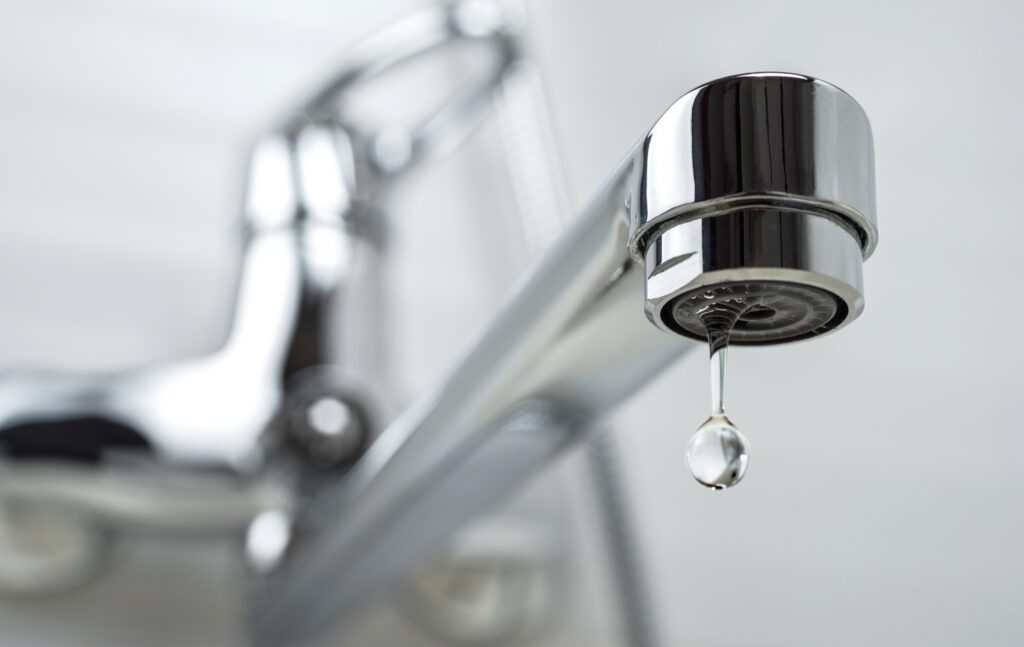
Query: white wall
x,y
882,503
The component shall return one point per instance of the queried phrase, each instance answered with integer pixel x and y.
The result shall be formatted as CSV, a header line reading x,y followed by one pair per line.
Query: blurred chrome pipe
x,y
754,191
541,191
557,346
203,445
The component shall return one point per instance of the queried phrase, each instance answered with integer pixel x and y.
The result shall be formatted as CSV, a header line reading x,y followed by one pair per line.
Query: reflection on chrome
x,y
759,180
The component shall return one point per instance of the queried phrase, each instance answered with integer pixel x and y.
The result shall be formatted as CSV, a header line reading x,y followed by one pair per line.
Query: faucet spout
x,y
569,344
765,195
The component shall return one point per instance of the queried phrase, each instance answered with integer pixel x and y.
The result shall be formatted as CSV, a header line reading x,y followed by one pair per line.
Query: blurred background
x,y
882,505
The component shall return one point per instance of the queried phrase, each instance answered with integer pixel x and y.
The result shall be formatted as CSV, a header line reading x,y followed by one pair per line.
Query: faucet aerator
x,y
756,190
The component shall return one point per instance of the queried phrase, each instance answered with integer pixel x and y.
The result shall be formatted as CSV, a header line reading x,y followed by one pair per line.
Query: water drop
x,y
717,454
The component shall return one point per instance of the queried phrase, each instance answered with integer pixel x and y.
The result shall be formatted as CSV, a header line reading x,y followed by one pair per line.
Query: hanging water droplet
x,y
717,454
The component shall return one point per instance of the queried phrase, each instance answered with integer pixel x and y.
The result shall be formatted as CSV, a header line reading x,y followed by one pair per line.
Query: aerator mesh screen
x,y
772,311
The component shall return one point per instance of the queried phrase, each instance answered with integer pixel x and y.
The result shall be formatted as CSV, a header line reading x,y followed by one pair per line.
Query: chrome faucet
x,y
757,188
295,393
758,184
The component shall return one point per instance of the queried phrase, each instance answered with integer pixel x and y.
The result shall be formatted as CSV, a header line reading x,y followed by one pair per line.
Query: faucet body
x,y
755,188
203,445
762,201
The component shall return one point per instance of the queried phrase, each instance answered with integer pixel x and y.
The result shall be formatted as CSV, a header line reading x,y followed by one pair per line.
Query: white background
x,y
883,501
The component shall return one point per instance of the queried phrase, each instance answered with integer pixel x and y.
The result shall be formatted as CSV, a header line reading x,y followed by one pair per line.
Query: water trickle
x,y
717,454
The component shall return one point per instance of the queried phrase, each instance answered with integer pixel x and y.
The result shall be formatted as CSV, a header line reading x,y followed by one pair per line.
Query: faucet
x,y
756,189
204,445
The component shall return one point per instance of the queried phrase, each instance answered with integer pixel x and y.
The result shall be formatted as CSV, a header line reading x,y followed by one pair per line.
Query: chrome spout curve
x,y
572,334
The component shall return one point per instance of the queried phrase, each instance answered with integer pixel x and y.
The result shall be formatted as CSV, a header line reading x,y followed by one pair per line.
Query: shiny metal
x,y
571,337
183,447
203,445
801,273
549,344
541,191
393,149
758,182
752,139
757,187
331,428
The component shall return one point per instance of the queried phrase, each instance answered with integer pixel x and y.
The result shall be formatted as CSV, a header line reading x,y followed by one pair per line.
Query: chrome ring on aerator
x,y
756,190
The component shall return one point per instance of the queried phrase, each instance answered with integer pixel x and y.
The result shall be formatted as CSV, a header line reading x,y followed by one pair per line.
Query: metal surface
x,y
201,445
542,196
756,190
762,179
766,138
800,274
571,336
391,150
549,343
